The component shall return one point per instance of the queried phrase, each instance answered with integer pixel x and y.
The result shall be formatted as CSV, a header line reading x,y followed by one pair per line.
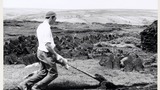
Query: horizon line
x,y
83,9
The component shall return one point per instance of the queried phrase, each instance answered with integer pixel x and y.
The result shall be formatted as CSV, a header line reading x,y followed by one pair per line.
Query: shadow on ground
x,y
70,85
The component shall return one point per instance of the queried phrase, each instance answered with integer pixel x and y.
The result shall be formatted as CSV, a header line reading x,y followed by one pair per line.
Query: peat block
x,y
29,59
149,38
116,63
107,62
10,59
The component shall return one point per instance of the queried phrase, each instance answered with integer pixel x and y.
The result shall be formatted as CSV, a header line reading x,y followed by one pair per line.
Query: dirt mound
x,y
149,38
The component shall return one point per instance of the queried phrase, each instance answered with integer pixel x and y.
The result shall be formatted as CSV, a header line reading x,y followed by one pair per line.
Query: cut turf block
x,y
128,65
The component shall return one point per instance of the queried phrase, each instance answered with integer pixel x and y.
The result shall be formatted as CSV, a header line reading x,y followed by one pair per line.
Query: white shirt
x,y
44,35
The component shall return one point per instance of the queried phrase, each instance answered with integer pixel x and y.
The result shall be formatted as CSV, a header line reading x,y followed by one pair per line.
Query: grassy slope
x,y
13,74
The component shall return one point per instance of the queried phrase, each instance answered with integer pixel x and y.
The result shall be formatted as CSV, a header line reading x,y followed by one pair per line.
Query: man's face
x,y
52,20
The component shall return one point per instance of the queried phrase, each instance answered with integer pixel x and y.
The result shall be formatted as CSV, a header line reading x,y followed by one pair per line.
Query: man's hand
x,y
63,61
59,58
67,66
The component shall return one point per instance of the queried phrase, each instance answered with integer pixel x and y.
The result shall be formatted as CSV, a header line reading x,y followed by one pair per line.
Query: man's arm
x,y
59,59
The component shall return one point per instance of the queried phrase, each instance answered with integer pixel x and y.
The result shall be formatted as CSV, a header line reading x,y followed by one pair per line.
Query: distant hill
x,y
132,17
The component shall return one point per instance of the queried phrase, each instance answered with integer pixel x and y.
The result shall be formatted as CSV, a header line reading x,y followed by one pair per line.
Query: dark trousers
x,y
47,73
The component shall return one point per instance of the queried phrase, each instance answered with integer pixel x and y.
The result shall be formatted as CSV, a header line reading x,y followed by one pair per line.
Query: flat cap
x,y
50,13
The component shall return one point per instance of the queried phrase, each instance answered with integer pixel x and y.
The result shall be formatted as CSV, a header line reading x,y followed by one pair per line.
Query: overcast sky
x,y
82,4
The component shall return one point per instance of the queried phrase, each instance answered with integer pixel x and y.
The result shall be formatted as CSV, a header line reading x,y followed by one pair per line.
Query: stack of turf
x,y
28,59
149,38
23,46
10,59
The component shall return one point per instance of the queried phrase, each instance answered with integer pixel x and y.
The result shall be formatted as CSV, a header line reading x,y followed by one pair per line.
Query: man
x,y
47,56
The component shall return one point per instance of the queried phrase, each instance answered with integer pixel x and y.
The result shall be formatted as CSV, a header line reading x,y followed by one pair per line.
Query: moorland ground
x,y
14,74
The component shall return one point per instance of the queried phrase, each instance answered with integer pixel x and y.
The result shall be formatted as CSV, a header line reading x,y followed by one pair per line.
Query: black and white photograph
x,y
80,44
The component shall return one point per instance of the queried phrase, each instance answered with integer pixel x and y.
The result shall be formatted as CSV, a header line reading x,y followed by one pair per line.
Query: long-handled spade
x,y
104,84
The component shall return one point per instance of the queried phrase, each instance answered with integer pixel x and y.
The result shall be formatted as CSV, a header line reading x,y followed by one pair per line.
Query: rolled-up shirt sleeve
x,y
48,37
